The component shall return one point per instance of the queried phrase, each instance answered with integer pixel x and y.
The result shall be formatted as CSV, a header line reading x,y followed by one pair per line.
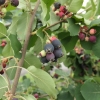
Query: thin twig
x,y
44,30
16,79
54,24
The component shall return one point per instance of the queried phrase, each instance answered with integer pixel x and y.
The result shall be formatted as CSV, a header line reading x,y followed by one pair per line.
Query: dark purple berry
x,y
15,3
58,53
92,39
49,48
2,2
56,44
57,5
43,60
81,36
50,56
86,57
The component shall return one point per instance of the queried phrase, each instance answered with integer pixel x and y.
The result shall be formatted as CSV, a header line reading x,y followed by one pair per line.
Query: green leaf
x,y
10,7
32,41
30,97
16,45
61,72
64,95
41,34
75,5
64,1
78,94
43,81
11,71
42,99
3,30
3,86
46,8
91,91
98,8
23,23
94,23
89,14
38,46
13,26
96,47
31,59
69,42
22,4
86,45
53,19
73,28
7,50
93,5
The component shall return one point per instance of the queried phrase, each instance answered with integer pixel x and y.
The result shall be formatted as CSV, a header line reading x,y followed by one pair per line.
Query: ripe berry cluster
x,y
3,43
87,35
4,63
84,63
52,51
61,11
4,4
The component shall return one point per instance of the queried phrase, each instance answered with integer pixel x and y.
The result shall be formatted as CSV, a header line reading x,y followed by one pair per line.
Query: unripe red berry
x,y
81,36
62,9
3,44
61,14
52,38
92,31
36,95
92,39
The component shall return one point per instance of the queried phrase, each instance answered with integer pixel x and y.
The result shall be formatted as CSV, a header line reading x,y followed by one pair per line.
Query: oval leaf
x,y
43,81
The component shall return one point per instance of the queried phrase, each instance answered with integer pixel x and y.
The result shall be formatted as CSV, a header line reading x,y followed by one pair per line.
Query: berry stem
x,y
46,34
54,24
44,30
17,76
